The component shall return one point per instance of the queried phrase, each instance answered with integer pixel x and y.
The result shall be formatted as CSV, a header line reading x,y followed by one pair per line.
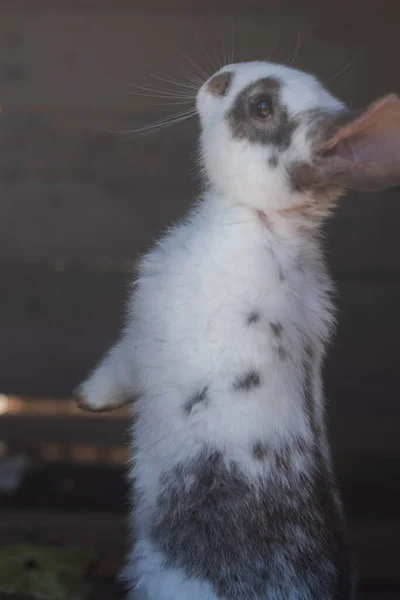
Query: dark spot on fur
x,y
282,352
264,218
283,459
219,85
281,274
273,160
248,381
253,317
260,451
279,270
283,540
300,266
304,177
276,329
196,399
276,131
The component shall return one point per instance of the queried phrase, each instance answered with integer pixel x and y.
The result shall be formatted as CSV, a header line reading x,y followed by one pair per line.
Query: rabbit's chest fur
x,y
228,314
231,319
230,447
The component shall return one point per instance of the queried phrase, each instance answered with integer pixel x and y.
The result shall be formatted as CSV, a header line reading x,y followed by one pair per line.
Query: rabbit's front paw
x,y
96,394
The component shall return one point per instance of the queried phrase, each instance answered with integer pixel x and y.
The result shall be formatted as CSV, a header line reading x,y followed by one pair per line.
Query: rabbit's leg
x,y
111,384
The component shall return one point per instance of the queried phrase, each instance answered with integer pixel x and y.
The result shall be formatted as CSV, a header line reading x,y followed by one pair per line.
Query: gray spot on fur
x,y
304,178
276,131
260,451
277,329
282,352
281,459
198,398
253,317
246,382
286,540
273,160
280,272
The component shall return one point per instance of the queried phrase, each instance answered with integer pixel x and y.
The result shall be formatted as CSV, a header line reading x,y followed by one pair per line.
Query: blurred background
x,y
79,203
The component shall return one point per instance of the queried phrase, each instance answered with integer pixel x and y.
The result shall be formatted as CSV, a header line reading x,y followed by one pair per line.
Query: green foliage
x,y
45,572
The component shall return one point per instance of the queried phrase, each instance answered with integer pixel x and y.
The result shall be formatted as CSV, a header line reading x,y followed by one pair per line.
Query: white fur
x,y
187,319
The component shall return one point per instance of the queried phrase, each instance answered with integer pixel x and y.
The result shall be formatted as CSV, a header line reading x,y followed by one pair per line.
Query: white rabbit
x,y
234,492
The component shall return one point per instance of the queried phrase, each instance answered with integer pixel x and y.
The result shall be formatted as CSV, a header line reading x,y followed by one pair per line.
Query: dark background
x,y
78,204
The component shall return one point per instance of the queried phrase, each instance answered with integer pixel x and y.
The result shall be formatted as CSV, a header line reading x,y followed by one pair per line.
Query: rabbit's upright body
x,y
235,497
234,493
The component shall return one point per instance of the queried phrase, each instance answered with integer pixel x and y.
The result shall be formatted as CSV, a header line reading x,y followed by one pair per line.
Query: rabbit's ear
x,y
364,154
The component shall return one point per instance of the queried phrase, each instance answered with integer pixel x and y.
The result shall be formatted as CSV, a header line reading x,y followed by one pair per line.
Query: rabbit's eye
x,y
261,107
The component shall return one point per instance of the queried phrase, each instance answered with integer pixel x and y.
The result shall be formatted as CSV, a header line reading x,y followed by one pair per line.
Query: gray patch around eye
x,y
248,381
253,317
197,398
277,131
285,539
220,84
